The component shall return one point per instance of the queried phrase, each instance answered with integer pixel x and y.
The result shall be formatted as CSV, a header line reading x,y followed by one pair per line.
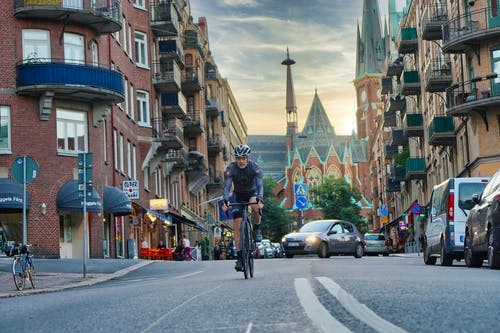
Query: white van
x,y
450,204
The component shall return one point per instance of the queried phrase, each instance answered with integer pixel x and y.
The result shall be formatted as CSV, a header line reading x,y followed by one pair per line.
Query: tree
x,y
275,220
338,200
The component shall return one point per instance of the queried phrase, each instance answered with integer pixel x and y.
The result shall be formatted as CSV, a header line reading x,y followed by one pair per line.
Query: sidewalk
x,y
58,274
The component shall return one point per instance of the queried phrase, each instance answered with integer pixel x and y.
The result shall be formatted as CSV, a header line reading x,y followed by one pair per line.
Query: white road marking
x,y
156,322
359,310
186,275
249,328
315,310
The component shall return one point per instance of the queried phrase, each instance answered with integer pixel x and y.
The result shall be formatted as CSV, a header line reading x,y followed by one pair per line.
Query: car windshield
x,y
375,237
318,226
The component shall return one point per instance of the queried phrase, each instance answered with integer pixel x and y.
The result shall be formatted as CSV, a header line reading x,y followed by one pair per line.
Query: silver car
x,y
325,238
376,244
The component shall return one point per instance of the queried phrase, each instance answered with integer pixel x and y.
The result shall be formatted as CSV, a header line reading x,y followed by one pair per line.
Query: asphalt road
x,y
304,294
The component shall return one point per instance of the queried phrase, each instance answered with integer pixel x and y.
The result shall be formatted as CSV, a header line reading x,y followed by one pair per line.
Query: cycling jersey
x,y
247,181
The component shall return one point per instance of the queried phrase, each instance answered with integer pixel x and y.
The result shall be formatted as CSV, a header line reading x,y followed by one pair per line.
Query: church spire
x,y
291,105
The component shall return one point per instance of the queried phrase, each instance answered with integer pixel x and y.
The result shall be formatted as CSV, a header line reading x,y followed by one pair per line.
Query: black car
x,y
324,237
482,228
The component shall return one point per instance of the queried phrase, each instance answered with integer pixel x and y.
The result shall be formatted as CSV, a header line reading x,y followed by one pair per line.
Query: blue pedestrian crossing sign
x,y
300,191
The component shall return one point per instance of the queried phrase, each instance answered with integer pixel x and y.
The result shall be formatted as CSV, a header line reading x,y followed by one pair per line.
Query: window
x,y
122,161
146,178
125,39
74,51
71,131
129,159
125,95
139,4
115,150
95,54
129,41
5,130
36,44
141,53
131,110
134,163
105,142
143,108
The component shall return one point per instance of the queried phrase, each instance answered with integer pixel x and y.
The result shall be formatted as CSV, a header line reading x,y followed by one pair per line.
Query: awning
x,y
164,218
116,202
182,219
11,195
68,199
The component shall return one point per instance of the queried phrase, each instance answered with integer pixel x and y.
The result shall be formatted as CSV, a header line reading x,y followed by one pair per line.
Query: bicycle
x,y
23,267
247,243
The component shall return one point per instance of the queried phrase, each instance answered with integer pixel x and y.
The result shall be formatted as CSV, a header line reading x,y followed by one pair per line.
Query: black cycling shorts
x,y
241,197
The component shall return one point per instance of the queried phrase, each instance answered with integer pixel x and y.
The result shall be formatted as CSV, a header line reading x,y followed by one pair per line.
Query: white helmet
x,y
242,151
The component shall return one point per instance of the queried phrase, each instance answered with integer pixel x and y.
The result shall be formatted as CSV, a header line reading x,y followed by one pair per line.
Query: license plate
x,y
292,244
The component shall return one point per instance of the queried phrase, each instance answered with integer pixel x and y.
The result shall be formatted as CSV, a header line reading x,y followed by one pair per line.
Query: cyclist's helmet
x,y
242,151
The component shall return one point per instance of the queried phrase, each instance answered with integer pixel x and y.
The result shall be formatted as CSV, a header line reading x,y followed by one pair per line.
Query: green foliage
x,y
400,159
337,199
275,220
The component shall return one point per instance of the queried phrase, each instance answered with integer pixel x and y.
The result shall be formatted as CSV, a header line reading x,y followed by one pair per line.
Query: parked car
x,y
482,228
450,204
324,238
376,244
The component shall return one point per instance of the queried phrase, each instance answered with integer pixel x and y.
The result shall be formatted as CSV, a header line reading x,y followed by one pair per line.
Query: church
x,y
315,151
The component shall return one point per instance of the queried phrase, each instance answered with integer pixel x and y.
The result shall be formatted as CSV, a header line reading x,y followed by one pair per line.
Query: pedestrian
x,y
161,245
187,248
144,244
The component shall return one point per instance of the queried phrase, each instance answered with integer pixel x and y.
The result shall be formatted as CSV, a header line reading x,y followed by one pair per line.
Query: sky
x,y
249,38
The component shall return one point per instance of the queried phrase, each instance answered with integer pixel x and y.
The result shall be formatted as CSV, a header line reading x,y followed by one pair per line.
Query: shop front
x,y
11,210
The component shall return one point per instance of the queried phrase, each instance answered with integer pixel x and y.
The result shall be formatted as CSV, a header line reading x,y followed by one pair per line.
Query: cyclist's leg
x,y
256,220
237,243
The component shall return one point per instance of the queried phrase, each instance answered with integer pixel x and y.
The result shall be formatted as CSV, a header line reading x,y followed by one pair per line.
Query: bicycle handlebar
x,y
244,204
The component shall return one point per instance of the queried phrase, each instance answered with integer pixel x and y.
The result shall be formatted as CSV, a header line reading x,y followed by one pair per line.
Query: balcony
x,y
210,71
390,151
469,30
411,83
442,131
214,146
415,168
178,159
171,49
192,41
432,20
72,81
215,181
397,138
166,76
173,105
192,123
102,16
164,18
394,66
393,185
170,135
212,108
397,103
390,119
191,80
413,125
407,40
398,172
438,75
386,85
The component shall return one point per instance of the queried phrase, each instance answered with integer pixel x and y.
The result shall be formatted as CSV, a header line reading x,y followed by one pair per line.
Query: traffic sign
x,y
32,169
131,188
300,189
88,160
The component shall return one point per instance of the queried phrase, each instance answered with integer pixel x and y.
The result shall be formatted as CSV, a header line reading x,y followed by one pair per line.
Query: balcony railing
x,y
393,185
413,125
173,105
386,85
397,138
164,18
75,81
192,41
390,119
178,159
442,131
171,49
212,108
390,151
394,66
398,172
415,168
432,20
411,83
397,103
210,71
167,76
170,135
191,80
407,40
102,16
214,146
480,93
472,28
215,180
192,123
438,75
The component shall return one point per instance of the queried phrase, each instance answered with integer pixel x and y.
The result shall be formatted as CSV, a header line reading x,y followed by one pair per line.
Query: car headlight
x,y
283,239
312,239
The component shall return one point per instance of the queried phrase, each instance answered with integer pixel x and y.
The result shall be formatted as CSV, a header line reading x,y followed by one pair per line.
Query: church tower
x,y
372,48
291,105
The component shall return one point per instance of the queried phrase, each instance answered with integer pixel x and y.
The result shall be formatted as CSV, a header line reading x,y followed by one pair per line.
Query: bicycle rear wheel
x,y
31,272
17,273
250,258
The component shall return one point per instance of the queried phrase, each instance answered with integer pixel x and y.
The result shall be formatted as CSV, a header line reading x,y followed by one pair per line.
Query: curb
x,y
85,283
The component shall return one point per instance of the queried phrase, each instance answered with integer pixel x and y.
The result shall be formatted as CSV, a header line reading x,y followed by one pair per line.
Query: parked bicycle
x,y
247,243
23,268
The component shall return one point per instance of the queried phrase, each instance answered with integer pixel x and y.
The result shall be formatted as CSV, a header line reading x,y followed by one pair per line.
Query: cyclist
x,y
246,178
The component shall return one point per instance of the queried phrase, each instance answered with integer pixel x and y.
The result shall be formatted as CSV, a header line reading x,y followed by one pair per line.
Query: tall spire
x,y
291,105
371,50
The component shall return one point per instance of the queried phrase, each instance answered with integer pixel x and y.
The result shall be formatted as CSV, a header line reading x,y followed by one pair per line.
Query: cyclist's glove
x,y
226,203
259,200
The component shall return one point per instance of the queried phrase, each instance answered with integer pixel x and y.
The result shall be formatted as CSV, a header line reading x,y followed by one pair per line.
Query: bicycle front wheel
x,y
245,250
17,273
251,257
31,272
